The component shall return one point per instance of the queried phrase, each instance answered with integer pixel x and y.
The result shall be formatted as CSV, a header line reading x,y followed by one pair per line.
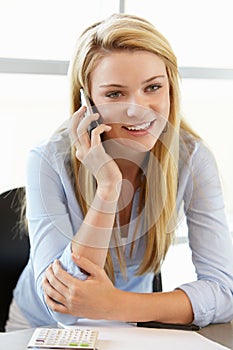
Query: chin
x,y
137,145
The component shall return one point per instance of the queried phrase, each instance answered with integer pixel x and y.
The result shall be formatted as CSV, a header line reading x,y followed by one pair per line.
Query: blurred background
x,y
37,39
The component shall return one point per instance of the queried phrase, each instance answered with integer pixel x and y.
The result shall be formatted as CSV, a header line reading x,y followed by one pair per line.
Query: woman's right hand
x,y
90,150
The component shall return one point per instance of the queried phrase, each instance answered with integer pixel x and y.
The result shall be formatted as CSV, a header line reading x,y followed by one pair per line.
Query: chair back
x,y
14,248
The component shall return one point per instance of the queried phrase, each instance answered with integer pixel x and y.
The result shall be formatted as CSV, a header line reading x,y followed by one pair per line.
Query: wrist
x,y
119,308
109,192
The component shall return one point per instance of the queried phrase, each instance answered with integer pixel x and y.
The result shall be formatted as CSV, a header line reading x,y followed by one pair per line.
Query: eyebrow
x,y
112,85
125,86
153,78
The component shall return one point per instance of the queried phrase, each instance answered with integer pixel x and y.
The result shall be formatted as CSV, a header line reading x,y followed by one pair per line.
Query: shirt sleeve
x,y
50,227
210,241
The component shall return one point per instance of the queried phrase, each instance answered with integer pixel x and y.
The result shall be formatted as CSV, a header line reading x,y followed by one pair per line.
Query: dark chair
x,y
14,248
157,283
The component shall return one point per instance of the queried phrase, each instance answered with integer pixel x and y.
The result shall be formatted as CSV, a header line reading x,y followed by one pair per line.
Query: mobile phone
x,y
90,110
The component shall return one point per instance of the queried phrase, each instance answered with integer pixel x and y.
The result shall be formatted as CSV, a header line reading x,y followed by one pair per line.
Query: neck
x,y
130,171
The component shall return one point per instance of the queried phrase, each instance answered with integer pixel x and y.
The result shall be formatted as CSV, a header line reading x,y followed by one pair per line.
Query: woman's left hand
x,y
93,298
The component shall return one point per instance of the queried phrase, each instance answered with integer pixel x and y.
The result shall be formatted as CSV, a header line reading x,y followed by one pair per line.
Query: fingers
x,y
86,265
52,285
74,122
58,286
51,294
54,290
79,125
95,134
63,278
55,306
79,128
82,130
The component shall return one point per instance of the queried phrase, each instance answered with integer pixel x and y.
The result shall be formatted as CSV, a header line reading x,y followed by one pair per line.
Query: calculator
x,y
63,338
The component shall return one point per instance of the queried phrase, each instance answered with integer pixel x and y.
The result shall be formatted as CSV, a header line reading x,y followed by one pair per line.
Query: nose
x,y
136,106
132,110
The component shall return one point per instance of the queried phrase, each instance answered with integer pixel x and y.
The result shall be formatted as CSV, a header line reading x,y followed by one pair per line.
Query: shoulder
x,y
199,176
55,149
194,152
197,167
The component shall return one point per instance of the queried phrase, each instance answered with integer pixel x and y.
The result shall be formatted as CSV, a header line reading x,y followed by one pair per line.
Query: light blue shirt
x,y
54,216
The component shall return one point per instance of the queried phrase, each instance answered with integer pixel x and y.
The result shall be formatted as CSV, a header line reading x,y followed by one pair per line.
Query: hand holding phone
x,y
86,102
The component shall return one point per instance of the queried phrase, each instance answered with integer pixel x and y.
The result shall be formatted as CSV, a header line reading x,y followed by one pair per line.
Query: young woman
x,y
102,207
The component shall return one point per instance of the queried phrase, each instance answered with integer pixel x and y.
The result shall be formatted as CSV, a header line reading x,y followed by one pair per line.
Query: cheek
x,y
111,113
114,133
166,106
163,107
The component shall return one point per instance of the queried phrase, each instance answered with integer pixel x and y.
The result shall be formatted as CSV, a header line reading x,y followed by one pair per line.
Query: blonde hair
x,y
127,32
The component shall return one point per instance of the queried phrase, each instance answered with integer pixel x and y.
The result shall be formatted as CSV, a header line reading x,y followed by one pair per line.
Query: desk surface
x,y
221,334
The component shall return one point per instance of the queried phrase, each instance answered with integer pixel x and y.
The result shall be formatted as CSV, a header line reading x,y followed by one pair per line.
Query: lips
x,y
139,127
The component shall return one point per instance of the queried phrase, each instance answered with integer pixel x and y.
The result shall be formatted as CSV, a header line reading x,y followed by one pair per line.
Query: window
x,y
200,32
37,37
47,29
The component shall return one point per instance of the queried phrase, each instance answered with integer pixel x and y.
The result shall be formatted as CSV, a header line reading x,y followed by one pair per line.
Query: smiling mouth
x,y
140,127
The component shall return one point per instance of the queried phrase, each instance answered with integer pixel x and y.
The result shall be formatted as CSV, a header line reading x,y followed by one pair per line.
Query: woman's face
x,y
131,91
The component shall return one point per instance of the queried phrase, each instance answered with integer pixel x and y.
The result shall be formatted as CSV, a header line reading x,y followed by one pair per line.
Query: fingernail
x,y
77,257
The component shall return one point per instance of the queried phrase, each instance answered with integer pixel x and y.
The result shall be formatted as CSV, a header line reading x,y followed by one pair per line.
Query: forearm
x,y
92,239
169,307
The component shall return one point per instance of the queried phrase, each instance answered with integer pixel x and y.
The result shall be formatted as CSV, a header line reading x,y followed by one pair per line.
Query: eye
x,y
114,94
153,87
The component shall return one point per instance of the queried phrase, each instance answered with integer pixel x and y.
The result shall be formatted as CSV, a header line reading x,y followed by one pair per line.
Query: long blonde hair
x,y
127,32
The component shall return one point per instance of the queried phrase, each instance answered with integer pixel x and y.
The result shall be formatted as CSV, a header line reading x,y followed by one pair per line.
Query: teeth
x,y
139,127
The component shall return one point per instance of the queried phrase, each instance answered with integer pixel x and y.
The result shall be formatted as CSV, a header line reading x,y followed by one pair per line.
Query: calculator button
x,y
56,338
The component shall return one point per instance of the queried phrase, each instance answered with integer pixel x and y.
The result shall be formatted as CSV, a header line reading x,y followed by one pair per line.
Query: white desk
x,y
120,336
220,333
